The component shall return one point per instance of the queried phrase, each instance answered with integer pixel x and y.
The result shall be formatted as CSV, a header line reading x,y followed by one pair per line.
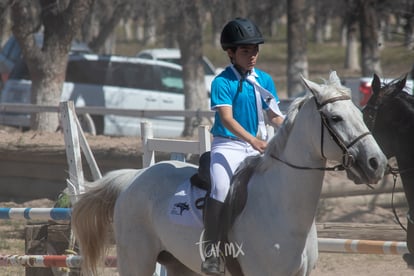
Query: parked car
x,y
173,55
11,53
112,82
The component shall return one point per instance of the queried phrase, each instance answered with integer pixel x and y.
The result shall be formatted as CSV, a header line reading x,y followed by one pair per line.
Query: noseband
x,y
347,158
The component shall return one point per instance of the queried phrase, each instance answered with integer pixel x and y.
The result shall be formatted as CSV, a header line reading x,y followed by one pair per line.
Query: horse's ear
x,y
376,84
401,83
312,86
334,79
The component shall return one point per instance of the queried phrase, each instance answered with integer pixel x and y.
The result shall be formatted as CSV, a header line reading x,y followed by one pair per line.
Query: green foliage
x,y
63,201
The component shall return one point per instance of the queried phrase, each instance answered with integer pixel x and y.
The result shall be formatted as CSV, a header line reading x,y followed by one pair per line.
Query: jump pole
x,y
324,244
36,213
362,246
73,261
328,245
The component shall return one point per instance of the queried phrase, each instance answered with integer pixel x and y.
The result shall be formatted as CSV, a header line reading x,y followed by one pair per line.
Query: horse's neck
x,y
284,199
303,144
295,189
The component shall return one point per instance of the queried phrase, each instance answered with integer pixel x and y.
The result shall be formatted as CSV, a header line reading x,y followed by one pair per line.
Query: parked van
x,y
174,55
112,82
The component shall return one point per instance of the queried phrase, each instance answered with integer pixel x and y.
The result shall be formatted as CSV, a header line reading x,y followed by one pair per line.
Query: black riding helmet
x,y
240,31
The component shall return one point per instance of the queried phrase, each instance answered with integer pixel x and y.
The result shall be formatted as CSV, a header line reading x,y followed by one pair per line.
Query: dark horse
x,y
389,114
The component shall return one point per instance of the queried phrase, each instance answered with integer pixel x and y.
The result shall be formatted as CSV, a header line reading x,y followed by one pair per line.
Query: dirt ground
x,y
329,264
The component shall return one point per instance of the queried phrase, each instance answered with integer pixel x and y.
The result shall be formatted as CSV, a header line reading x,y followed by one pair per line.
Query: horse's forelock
x,y
331,89
393,87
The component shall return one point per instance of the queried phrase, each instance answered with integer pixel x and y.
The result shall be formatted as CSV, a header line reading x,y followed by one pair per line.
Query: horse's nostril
x,y
373,163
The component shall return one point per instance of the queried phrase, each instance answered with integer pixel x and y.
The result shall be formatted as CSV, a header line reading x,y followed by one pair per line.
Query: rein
x,y
347,158
394,172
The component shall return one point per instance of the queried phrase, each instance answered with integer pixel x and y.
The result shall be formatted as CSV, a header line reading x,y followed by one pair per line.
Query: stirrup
x,y
213,266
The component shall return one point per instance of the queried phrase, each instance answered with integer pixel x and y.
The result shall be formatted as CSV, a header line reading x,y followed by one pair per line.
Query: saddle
x,y
237,196
202,178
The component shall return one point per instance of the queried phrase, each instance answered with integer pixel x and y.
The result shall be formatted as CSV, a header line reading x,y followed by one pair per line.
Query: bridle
x,y
347,158
371,112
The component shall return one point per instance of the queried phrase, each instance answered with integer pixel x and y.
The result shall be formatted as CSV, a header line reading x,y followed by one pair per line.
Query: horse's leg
x,y
137,247
173,266
409,257
311,250
310,256
134,255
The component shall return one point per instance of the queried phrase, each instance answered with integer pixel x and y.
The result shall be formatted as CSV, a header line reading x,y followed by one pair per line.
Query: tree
x,y
5,23
109,14
351,21
369,27
297,46
60,21
190,41
408,14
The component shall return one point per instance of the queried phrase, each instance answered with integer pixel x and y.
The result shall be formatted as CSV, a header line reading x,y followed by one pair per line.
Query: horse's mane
x,y
404,104
400,101
278,142
330,89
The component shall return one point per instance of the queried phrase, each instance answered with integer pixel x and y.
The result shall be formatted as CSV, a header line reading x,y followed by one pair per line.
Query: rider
x,y
237,96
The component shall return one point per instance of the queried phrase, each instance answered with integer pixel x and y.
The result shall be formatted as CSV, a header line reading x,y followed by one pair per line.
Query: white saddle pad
x,y
182,209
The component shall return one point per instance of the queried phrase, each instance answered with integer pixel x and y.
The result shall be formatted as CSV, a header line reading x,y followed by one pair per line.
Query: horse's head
x,y
384,113
344,137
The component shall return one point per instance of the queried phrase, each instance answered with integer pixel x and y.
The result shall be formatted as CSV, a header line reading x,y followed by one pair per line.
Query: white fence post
x,y
148,157
73,153
75,140
204,139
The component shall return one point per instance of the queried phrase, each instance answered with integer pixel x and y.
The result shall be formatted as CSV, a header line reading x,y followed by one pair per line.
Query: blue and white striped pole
x,y
36,213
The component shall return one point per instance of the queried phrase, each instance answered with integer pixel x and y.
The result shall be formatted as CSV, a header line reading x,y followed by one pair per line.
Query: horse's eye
x,y
336,118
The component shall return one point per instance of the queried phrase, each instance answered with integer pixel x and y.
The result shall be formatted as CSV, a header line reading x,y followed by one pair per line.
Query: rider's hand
x,y
258,144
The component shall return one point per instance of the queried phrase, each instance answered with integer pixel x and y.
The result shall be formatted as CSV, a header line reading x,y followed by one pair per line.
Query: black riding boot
x,y
212,211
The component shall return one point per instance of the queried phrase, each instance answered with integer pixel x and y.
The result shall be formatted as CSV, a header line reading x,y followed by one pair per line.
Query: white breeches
x,y
226,156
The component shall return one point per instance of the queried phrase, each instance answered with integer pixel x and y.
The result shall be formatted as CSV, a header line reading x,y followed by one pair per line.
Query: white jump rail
x,y
328,245
178,147
362,246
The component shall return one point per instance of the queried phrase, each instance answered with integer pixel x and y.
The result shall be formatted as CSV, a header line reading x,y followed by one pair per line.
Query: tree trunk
x,y
352,53
409,26
297,46
47,65
219,17
46,89
5,23
190,40
368,24
107,27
